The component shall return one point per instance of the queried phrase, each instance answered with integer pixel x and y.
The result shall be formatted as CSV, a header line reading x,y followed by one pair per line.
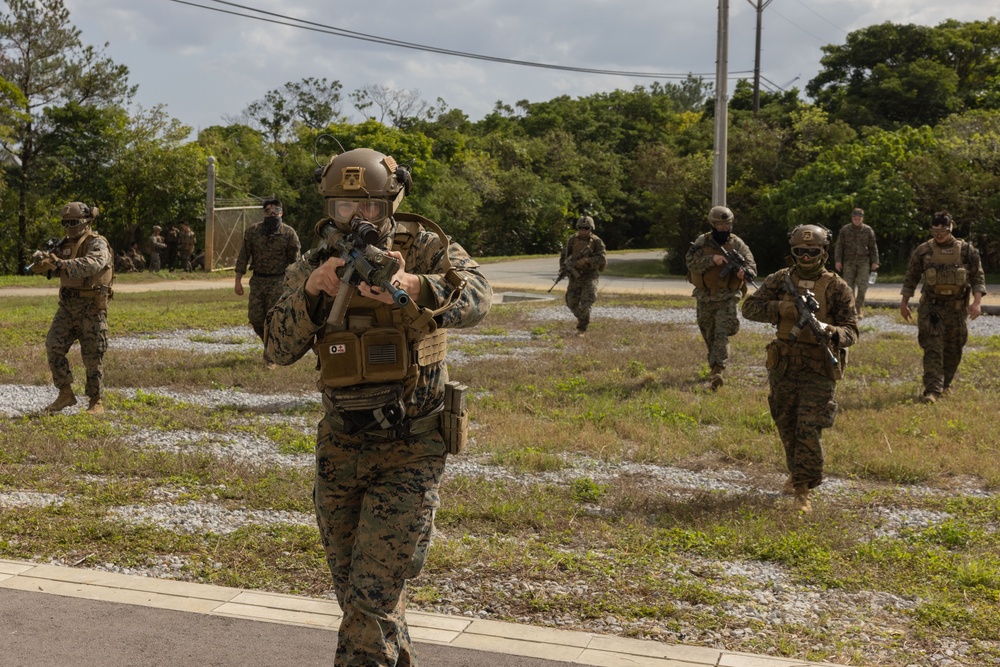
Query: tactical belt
x,y
402,431
800,349
69,292
268,275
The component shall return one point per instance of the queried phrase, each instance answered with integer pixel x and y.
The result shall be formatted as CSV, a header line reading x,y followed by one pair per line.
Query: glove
x,y
787,310
583,263
44,262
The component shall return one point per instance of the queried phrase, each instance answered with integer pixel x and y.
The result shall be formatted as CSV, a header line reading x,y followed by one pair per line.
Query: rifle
x,y
807,306
569,270
39,255
363,263
735,262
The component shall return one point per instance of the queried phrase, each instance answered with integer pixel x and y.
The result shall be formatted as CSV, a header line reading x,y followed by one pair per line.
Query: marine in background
x,y
719,265
83,264
269,247
953,288
583,258
855,256
813,310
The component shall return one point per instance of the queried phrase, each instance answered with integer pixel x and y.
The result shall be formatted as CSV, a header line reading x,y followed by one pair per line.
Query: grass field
x,y
604,489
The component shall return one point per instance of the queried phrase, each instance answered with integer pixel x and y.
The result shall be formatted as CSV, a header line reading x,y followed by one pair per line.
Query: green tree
x,y
42,55
890,75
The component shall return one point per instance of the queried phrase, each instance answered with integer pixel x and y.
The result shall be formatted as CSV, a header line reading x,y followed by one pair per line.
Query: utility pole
x,y
721,107
759,6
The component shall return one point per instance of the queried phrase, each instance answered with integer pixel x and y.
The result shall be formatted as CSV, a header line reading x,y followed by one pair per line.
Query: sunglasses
x,y
940,224
807,252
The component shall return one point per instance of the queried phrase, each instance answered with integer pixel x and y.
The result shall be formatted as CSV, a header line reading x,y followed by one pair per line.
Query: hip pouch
x,y
369,407
455,418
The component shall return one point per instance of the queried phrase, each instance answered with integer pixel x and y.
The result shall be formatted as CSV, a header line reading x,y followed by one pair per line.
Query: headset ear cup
x,y
403,176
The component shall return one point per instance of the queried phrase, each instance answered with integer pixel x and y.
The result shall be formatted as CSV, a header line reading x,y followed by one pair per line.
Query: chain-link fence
x,y
227,232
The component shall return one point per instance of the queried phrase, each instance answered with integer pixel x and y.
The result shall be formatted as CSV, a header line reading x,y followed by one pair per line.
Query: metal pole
x,y
210,216
759,6
721,107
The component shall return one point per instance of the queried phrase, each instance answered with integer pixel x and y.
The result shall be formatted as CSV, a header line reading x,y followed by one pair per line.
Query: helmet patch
x,y
807,235
353,178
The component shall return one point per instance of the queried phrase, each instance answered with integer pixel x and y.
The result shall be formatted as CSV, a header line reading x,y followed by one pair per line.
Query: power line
x,y
302,24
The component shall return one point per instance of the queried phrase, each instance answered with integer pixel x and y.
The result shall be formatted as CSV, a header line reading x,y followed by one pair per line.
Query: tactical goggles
x,y
73,222
345,210
273,210
938,223
807,251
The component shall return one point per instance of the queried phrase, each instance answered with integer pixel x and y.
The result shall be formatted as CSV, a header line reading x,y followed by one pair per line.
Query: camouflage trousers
x,y
942,332
802,404
264,293
154,261
78,319
375,504
580,297
717,321
856,276
185,258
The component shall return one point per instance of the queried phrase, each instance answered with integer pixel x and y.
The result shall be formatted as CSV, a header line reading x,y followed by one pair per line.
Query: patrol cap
x,y
585,222
157,228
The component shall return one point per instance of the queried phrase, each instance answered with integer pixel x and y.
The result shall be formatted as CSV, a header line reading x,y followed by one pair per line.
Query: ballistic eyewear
x,y
807,251
72,222
940,223
345,210
273,210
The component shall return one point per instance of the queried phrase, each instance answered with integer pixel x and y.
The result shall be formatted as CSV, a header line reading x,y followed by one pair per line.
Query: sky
x,y
206,66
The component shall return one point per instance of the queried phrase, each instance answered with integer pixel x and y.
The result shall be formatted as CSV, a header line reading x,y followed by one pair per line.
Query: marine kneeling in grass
x,y
814,311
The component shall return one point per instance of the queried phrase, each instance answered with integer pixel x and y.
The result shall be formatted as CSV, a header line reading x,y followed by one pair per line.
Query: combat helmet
x,y
363,183
809,235
585,222
720,214
76,218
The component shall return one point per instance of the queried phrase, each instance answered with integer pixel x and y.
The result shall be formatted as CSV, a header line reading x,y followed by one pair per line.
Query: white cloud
x,y
205,65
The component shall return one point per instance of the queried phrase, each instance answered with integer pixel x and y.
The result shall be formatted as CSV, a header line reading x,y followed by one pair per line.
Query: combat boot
x,y
788,488
802,503
96,407
716,379
931,397
63,400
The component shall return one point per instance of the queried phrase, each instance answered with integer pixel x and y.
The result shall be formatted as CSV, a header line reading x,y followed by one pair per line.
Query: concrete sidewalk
x,y
60,617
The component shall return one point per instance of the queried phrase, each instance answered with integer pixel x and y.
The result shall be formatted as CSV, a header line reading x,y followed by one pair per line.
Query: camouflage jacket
x,y
700,262
94,258
186,241
296,319
156,244
855,243
592,250
920,260
763,305
268,254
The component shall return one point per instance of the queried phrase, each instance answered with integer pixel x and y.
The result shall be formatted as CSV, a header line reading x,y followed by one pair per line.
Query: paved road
x,y
526,274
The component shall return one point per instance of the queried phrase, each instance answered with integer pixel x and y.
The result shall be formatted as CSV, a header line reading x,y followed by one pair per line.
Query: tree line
x,y
905,121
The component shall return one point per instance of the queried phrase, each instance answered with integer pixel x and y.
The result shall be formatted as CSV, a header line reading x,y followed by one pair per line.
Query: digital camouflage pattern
x,y
856,251
268,255
591,259
716,309
376,497
802,391
186,239
78,318
942,322
156,247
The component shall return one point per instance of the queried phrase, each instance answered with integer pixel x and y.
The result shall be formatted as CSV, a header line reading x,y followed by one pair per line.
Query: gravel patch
x,y
30,499
237,447
206,518
199,341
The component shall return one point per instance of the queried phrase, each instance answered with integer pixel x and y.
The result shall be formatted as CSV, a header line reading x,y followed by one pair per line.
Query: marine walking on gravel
x,y
583,258
83,263
375,302
953,288
813,310
719,266
269,247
